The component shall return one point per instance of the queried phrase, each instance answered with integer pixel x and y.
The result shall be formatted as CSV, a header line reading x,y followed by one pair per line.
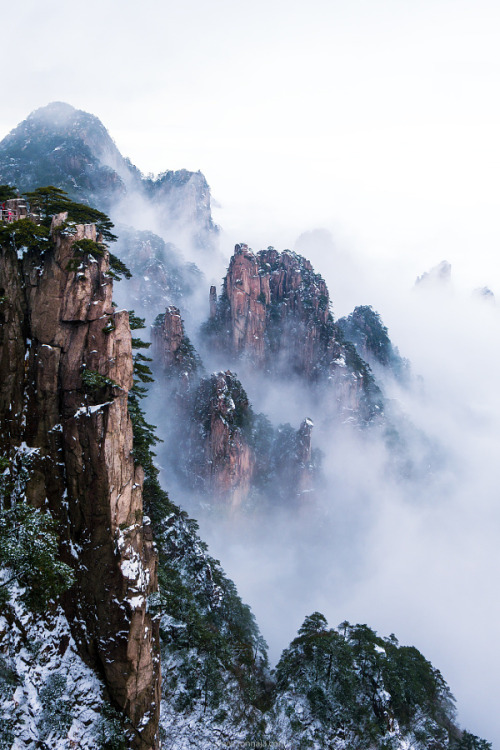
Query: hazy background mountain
x,y
58,144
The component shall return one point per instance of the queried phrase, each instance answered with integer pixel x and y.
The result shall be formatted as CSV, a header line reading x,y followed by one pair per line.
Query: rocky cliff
x,y
233,455
219,444
221,457
172,349
364,328
268,300
210,416
274,313
65,373
182,199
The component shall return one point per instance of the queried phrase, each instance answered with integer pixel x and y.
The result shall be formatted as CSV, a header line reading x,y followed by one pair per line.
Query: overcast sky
x,y
376,119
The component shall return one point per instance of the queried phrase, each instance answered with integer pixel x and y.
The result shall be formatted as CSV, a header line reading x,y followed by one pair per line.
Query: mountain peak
x,y
58,118
52,111
60,145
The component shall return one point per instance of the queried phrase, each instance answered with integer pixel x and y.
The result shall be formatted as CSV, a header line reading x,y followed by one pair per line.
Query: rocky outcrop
x,y
219,446
211,447
65,373
233,452
247,293
172,349
167,337
364,328
182,200
438,276
220,456
274,312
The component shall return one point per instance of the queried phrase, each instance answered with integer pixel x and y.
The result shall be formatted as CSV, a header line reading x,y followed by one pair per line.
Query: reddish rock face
x,y
220,455
167,338
248,295
213,450
276,310
59,323
176,356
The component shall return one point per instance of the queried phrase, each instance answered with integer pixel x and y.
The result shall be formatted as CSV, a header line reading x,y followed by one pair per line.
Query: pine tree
x,y
7,193
28,543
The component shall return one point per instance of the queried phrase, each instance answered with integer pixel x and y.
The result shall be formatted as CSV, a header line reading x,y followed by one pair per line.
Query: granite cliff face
x,y
182,199
234,455
220,455
268,299
65,373
274,313
167,337
172,349
211,416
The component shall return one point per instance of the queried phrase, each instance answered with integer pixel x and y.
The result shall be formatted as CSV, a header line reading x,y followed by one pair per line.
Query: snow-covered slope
x,y
49,698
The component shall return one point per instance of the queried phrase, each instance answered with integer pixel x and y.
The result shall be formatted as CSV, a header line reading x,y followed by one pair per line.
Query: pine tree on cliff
x,y
28,542
46,202
7,193
349,684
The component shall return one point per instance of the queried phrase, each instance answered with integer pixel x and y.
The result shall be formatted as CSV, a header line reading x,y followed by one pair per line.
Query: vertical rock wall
x,y
275,312
220,452
167,339
58,322
248,294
